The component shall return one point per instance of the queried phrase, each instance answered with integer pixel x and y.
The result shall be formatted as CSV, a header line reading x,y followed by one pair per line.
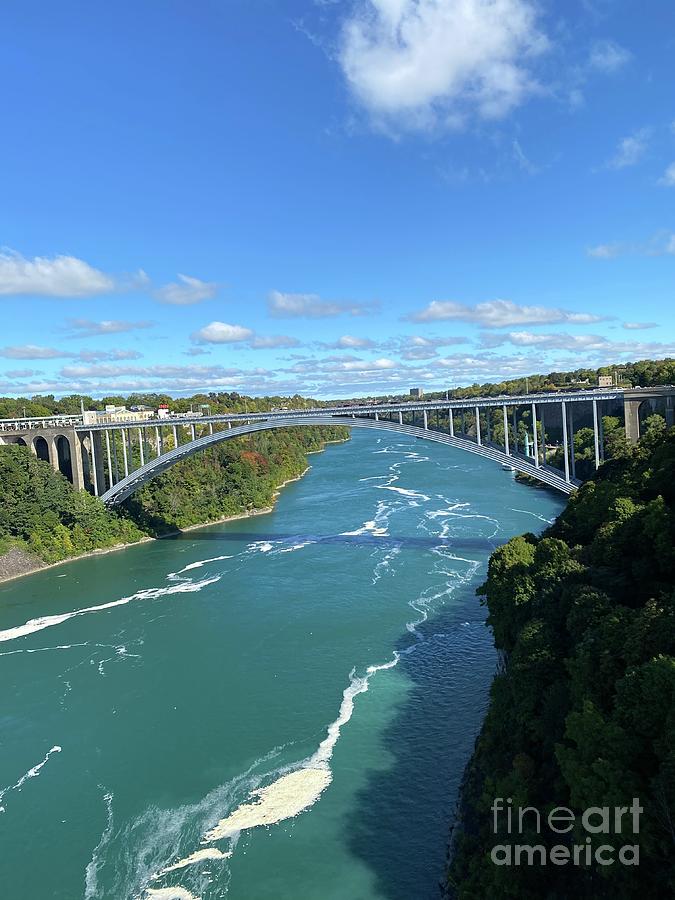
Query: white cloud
x,y
608,56
186,291
630,150
97,355
32,351
638,326
420,63
22,373
668,178
498,314
594,347
87,328
311,306
60,276
350,342
274,342
222,333
660,244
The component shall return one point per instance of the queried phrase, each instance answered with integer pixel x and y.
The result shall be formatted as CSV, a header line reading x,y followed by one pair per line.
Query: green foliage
x,y
583,712
39,508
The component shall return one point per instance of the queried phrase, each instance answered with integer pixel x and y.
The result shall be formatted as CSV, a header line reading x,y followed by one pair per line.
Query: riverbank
x,y
18,562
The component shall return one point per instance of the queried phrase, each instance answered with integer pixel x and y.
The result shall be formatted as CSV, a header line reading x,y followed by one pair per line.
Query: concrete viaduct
x,y
113,457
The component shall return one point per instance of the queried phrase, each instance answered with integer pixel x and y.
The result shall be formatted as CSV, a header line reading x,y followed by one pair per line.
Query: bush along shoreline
x,y
581,722
43,521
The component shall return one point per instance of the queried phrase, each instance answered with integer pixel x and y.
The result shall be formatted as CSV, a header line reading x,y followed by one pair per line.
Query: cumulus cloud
x,y
498,314
186,291
608,56
311,306
422,63
222,333
638,326
630,150
668,178
58,276
88,328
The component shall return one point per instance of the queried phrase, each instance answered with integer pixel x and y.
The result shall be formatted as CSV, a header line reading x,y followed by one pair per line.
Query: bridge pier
x,y
506,432
478,437
535,437
566,460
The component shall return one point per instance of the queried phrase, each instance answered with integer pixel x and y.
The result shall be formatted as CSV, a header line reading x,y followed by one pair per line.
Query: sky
x,y
332,197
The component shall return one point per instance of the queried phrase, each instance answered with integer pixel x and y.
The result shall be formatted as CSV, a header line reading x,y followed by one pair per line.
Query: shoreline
x,y
38,566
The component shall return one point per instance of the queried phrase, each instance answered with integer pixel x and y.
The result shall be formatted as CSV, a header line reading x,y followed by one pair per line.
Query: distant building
x,y
416,393
163,411
605,381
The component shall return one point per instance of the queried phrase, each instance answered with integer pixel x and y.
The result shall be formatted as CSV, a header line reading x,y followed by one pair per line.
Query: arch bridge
x,y
113,456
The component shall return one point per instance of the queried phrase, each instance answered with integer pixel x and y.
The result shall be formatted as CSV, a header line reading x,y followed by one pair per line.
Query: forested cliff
x,y
582,713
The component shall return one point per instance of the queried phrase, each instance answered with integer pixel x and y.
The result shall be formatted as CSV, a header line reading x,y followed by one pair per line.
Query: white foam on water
x,y
536,515
406,492
197,565
194,858
43,649
42,622
261,546
91,891
169,893
295,547
33,772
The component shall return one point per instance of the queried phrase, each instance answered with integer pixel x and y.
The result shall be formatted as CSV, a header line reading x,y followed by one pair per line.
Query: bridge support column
x,y
377,417
400,418
210,427
451,423
192,431
175,436
93,464
543,435
140,445
573,462
125,452
158,438
463,424
596,434
535,446
515,429
566,459
632,417
426,420
109,457
507,450
488,424
115,461
478,438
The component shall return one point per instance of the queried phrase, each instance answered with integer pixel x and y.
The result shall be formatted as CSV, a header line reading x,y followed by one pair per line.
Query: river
x,y
331,656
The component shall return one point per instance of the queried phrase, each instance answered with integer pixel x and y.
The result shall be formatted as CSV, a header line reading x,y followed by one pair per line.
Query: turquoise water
x,y
331,654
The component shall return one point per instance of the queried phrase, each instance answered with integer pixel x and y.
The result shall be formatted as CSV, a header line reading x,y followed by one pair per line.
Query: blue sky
x,y
332,197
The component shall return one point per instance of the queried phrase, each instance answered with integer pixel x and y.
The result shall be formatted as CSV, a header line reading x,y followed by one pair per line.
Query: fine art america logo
x,y
509,823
